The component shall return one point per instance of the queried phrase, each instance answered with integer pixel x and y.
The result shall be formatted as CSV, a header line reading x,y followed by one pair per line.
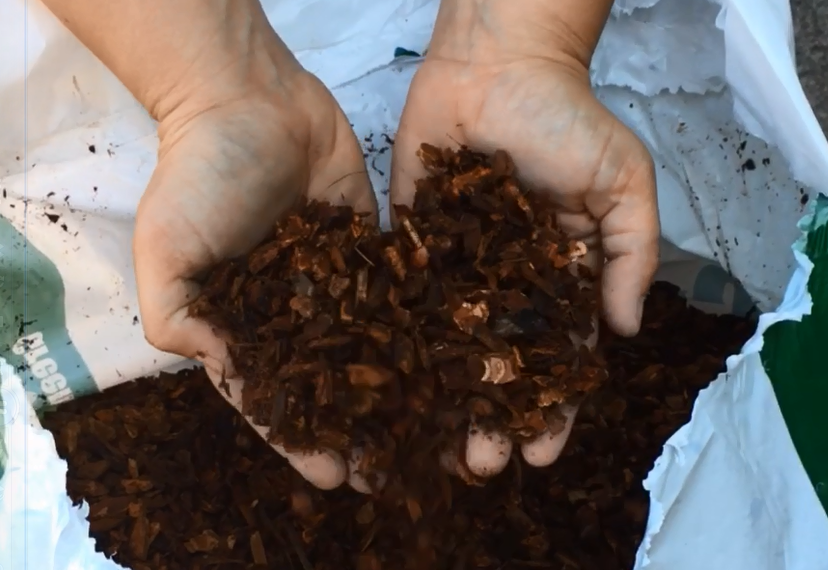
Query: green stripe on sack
x,y
34,339
793,355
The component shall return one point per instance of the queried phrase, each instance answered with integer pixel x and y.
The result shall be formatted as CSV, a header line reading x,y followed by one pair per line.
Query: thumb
x,y
629,235
168,327
165,294
422,121
405,169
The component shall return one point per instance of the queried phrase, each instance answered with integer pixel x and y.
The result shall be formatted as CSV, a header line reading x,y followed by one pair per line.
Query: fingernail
x,y
323,469
487,454
359,480
546,449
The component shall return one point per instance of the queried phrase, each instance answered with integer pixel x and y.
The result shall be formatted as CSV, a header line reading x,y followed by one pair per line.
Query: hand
x,y
227,170
244,132
505,93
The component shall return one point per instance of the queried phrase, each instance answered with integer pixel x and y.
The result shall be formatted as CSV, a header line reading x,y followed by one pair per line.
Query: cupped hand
x,y
227,170
564,142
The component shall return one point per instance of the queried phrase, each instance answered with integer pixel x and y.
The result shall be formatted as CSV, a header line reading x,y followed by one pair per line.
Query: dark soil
x,y
177,480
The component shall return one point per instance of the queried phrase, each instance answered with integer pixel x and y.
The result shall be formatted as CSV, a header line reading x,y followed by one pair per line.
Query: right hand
x,y
489,83
233,159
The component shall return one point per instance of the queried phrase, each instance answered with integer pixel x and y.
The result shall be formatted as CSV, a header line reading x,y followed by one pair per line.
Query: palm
x,y
563,141
223,179
561,138
228,193
235,176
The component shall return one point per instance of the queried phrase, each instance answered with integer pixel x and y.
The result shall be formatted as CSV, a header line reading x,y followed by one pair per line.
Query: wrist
x,y
500,30
185,53
243,57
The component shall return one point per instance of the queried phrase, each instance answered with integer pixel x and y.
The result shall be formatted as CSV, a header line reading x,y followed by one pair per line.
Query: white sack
x,y
692,77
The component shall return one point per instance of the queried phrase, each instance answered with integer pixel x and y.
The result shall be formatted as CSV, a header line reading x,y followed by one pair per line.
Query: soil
x,y
177,480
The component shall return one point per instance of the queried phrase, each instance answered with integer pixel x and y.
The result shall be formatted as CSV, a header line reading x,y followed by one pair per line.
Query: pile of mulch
x,y
470,312
177,480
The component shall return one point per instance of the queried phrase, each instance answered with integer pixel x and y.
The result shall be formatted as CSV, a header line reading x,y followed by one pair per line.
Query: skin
x,y
501,77
243,128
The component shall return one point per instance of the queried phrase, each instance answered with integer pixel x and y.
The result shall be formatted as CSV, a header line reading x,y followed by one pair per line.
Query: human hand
x,y
228,169
490,83
244,133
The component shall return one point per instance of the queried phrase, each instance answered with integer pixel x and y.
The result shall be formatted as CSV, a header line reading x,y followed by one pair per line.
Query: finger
x,y
630,231
582,227
591,341
339,185
487,452
441,131
161,253
343,178
167,324
361,482
406,168
451,463
323,468
546,449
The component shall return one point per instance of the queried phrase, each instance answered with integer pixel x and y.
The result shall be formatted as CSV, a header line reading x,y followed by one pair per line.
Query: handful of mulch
x,y
472,311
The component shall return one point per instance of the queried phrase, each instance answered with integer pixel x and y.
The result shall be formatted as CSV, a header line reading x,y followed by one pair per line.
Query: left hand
x,y
229,168
541,110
